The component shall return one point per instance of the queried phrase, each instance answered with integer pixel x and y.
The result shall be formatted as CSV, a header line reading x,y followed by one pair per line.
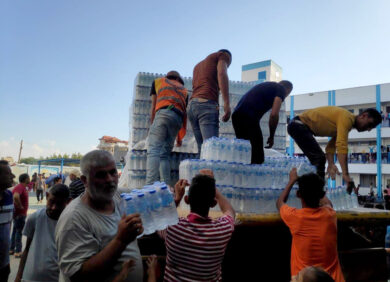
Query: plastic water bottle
x,y
130,205
156,208
169,211
355,201
387,238
142,208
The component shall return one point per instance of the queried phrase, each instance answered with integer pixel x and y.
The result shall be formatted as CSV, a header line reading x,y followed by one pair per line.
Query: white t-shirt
x,y
82,232
42,260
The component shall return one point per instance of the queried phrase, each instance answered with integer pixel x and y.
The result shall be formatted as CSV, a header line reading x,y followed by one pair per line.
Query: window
x,y
262,76
367,179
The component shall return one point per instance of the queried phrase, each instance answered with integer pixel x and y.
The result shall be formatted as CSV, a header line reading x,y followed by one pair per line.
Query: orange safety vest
x,y
172,93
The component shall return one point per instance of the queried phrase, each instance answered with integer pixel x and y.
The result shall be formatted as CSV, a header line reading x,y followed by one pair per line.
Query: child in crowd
x,y
39,260
196,245
313,228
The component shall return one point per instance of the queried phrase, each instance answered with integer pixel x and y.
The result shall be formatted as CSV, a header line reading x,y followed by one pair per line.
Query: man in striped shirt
x,y
196,245
76,188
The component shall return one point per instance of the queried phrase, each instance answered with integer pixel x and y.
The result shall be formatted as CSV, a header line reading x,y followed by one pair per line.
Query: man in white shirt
x,y
39,261
94,237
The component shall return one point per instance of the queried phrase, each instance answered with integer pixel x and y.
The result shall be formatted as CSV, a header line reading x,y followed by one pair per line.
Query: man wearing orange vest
x,y
168,119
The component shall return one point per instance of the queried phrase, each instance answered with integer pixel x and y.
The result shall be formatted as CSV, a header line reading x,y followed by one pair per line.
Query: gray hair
x,y
95,158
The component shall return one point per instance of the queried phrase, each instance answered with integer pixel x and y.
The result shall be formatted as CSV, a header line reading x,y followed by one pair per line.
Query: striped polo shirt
x,y
76,188
196,247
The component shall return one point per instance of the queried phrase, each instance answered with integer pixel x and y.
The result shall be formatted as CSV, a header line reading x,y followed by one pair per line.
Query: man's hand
x,y
350,184
293,177
208,172
332,171
127,267
270,142
227,113
153,267
180,189
129,228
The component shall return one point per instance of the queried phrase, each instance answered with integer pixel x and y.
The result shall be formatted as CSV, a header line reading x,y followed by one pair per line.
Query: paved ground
x,y
33,207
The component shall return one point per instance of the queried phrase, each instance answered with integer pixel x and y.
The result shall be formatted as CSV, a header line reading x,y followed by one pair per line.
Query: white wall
x,y
356,95
251,75
352,98
385,92
308,101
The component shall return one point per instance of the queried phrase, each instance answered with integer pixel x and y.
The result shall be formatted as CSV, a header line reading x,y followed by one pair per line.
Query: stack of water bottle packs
x,y
154,203
139,123
253,188
137,165
340,199
139,120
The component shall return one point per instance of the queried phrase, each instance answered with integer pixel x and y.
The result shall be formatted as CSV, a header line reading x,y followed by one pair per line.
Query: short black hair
x,y
23,177
373,113
311,189
201,193
60,191
287,85
4,162
317,274
226,51
57,178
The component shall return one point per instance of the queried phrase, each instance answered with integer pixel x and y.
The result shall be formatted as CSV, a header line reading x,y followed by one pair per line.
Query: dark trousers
x,y
248,128
4,273
16,238
304,138
39,195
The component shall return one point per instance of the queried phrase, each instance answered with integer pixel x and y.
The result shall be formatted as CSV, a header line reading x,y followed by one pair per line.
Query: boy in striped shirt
x,y
196,245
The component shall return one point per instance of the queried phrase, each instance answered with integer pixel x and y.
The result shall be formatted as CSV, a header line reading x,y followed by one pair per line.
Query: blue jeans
x,y
162,136
16,238
204,118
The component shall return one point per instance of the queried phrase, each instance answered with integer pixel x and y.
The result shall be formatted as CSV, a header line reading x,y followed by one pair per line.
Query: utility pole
x,y
20,150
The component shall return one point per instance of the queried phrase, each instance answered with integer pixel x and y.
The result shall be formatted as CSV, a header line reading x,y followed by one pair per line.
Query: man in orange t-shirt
x,y
313,228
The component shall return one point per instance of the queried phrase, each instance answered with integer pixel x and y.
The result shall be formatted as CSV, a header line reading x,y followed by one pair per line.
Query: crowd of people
x,y
91,237
85,234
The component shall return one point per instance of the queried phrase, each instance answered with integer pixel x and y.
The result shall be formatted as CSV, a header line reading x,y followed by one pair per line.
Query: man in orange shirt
x,y
313,228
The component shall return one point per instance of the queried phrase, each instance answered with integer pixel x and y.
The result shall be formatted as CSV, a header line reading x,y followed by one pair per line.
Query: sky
x,y
67,68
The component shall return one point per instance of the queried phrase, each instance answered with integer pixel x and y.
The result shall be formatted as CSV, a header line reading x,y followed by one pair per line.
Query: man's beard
x,y
103,194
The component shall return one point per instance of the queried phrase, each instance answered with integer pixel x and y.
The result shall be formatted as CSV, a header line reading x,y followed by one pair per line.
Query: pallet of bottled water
x,y
155,204
229,150
250,188
340,199
137,167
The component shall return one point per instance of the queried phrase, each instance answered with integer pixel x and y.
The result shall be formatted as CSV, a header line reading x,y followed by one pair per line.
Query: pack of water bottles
x,y
245,184
256,200
273,173
340,199
154,203
229,150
